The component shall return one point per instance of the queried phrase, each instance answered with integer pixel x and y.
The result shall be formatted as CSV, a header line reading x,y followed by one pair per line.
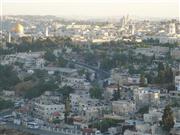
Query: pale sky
x,y
93,8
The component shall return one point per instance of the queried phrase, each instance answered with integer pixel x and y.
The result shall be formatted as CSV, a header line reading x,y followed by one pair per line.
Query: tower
x,y
47,32
131,29
178,28
123,21
9,37
172,28
127,19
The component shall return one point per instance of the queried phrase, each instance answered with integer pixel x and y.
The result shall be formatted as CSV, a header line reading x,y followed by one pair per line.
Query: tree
x,y
169,75
106,64
142,81
150,77
161,77
88,76
81,72
96,92
4,104
90,58
40,88
8,77
143,110
160,66
167,119
61,61
56,121
67,109
165,74
116,94
65,91
49,56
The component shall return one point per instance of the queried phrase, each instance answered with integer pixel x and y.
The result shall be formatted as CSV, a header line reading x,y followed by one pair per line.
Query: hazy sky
x,y
94,8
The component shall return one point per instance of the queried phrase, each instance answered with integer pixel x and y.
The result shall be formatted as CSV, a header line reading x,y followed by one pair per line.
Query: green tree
x,y
8,77
143,110
167,119
65,91
56,121
169,75
116,94
106,63
96,92
49,56
4,104
150,77
165,74
81,72
161,77
142,80
67,109
161,66
61,61
40,88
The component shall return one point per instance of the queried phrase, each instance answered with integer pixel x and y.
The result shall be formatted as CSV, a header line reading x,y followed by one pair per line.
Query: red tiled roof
x,y
56,114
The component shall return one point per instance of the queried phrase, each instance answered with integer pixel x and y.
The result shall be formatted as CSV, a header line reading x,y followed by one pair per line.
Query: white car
x,y
2,123
98,132
32,125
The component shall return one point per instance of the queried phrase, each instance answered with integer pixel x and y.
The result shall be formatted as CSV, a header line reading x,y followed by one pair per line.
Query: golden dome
x,y
18,28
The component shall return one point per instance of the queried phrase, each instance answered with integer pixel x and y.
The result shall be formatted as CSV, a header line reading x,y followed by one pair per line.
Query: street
x,y
33,131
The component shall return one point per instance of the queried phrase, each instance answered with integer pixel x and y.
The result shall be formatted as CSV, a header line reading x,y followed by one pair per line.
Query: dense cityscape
x,y
89,77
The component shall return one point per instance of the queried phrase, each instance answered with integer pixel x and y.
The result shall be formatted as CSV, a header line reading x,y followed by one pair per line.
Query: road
x,y
101,73
25,129
33,131
6,112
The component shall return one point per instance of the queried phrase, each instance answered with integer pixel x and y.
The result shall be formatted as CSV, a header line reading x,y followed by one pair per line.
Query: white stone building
x,y
146,96
123,107
152,116
46,109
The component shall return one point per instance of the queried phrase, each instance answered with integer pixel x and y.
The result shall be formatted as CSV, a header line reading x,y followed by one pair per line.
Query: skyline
x,y
92,8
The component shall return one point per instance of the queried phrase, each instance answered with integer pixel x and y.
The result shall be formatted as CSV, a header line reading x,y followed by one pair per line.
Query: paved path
x,y
33,131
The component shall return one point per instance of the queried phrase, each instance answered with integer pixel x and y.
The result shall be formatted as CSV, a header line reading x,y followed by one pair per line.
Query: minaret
x,y
131,29
47,32
9,37
172,28
99,65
